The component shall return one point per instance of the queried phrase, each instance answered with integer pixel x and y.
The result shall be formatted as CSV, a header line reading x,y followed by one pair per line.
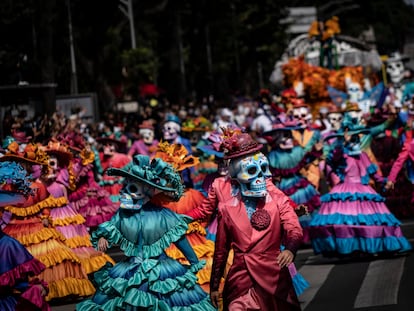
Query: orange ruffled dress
x,y
71,224
64,272
196,233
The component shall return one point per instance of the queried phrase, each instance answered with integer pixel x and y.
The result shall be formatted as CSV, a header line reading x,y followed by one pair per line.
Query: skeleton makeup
x,y
170,130
251,173
135,194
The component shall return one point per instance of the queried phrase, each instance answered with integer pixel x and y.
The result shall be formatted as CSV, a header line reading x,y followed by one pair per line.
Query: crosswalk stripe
x,y
381,283
316,276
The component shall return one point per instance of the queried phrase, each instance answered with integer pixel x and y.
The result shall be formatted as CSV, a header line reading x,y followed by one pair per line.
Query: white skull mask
x,y
109,149
147,136
356,117
302,115
251,173
53,167
134,194
170,130
335,119
354,91
395,70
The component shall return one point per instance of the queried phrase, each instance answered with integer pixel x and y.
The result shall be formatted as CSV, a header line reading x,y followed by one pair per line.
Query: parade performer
x,y
353,218
29,223
146,144
177,156
148,279
254,219
405,157
65,218
19,288
171,132
109,156
84,193
287,160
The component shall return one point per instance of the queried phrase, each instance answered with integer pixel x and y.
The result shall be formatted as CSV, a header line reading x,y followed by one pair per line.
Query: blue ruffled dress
x,y
147,279
353,217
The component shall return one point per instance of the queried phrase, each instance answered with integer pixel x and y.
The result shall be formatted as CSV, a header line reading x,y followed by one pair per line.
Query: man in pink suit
x,y
254,219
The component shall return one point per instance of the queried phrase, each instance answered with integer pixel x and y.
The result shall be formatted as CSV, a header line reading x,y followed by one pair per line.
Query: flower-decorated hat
x,y
200,124
14,183
176,155
60,151
155,173
32,154
236,144
213,147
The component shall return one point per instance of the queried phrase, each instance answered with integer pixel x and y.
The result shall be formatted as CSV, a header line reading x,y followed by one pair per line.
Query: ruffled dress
x,y
90,199
18,290
64,273
196,233
353,216
148,279
72,226
285,166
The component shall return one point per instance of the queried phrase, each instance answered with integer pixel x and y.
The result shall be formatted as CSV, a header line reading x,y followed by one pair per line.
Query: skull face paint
x,y
170,130
335,120
251,173
395,70
134,194
147,136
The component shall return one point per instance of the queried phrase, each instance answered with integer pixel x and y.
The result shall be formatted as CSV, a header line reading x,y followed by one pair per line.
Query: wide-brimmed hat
x,y
341,133
155,173
60,151
112,140
213,145
146,124
283,126
14,183
236,144
32,154
176,155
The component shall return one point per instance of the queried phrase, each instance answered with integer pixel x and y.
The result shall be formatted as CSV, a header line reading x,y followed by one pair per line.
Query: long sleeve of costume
x,y
290,223
185,247
221,252
208,206
399,162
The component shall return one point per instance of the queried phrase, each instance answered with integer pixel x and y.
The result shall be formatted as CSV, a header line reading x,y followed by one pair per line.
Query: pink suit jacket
x,y
255,252
406,153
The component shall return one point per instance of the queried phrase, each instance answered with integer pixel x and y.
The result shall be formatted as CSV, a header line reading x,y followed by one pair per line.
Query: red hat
x,y
146,124
239,144
60,150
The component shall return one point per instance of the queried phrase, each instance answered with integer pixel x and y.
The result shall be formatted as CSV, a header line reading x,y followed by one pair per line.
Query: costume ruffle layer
x,y
345,239
34,209
91,259
70,286
148,284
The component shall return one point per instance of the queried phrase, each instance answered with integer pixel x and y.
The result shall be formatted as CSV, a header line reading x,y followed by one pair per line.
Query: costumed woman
x,y
177,156
353,218
287,161
29,223
65,218
148,279
19,288
90,199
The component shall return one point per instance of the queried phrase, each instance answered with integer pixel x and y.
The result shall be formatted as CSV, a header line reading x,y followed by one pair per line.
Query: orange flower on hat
x,y
176,155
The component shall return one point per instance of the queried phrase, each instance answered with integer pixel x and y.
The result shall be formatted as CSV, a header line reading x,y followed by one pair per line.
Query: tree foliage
x,y
188,48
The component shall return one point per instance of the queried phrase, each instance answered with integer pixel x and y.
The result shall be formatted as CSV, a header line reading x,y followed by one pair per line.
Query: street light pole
x,y
74,76
129,13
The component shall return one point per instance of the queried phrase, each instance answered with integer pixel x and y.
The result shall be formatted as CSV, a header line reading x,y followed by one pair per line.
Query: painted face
x,y
134,194
395,70
53,167
251,173
302,115
147,136
335,119
109,150
170,130
354,91
355,116
286,141
353,146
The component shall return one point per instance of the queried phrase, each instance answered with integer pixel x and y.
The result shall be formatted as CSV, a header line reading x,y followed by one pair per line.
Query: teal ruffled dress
x,y
147,279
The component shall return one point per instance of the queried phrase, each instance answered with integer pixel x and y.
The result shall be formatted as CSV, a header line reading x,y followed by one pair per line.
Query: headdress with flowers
x,y
32,154
176,155
236,143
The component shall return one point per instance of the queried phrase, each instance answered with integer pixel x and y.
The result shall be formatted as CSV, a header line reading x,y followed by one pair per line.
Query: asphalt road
x,y
367,284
